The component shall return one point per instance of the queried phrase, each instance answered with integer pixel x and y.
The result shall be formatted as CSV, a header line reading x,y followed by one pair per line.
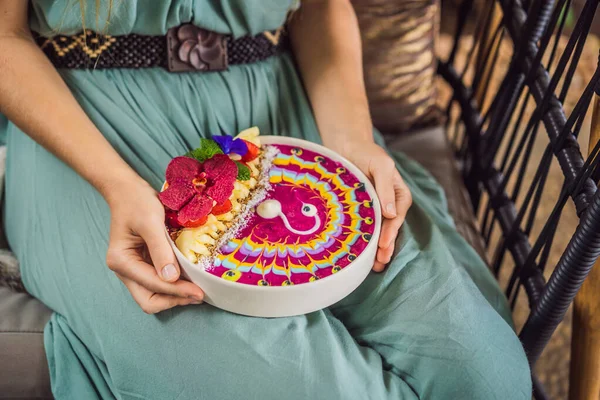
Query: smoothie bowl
x,y
270,226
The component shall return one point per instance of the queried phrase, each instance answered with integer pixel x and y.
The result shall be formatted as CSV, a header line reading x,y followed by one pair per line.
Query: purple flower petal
x,y
239,147
224,143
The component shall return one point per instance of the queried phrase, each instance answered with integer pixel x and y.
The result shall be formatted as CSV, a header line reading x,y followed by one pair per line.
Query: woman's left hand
x,y
326,44
394,195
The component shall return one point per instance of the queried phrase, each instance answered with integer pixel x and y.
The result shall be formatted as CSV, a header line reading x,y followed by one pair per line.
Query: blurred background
x,y
553,367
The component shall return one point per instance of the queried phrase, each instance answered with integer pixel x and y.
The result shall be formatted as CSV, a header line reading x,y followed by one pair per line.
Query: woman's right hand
x,y
139,252
61,126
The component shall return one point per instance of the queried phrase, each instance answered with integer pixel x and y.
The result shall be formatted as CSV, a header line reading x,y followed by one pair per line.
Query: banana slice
x,y
250,135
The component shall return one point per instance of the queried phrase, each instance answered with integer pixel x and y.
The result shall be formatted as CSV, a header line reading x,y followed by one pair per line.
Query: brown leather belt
x,y
185,48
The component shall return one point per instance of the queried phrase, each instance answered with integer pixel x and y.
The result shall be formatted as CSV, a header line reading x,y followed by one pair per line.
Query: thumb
x,y
161,253
384,187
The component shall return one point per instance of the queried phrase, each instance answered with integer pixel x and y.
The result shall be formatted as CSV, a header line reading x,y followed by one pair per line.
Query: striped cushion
x,y
398,51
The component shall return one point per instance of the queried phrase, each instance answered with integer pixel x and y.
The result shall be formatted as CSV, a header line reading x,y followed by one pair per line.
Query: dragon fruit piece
x,y
220,191
221,173
183,168
199,207
179,192
171,219
220,166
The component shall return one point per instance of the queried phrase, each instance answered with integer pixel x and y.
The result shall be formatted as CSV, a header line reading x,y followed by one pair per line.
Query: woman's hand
x,y
327,47
139,252
394,195
61,126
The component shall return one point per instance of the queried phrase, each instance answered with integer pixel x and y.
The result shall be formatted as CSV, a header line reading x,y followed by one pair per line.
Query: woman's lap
x,y
421,329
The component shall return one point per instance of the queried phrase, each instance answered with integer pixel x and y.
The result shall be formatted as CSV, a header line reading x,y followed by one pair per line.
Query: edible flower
x,y
230,145
194,187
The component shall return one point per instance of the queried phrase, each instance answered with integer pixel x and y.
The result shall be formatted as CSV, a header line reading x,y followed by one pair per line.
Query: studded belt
x,y
185,48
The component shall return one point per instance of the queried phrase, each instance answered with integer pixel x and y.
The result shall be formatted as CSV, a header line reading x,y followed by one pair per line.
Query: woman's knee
x,y
492,369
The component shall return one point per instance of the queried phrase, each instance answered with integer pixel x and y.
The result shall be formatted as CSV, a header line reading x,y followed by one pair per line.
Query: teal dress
x,y
434,325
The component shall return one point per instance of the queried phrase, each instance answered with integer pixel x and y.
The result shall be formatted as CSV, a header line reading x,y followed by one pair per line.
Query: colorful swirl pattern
x,y
321,219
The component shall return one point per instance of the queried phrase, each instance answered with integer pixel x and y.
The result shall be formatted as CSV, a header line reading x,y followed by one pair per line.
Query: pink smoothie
x,y
319,219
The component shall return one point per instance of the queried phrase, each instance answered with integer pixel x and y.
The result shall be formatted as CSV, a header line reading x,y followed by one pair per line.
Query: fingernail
x,y
197,300
391,209
169,272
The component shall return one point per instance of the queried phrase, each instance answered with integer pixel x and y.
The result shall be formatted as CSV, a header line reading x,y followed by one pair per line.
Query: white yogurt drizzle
x,y
271,208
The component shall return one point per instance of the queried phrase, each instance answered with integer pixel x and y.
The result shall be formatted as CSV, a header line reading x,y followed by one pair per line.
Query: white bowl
x,y
285,301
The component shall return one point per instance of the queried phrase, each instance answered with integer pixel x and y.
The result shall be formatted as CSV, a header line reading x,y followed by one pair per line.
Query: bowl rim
x,y
285,140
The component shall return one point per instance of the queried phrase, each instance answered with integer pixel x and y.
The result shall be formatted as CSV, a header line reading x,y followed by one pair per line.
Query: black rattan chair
x,y
494,141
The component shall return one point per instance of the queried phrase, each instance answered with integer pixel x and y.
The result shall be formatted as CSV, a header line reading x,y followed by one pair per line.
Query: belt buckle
x,y
190,48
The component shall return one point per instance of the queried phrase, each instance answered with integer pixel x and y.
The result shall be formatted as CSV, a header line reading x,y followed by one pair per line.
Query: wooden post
x,y
584,380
